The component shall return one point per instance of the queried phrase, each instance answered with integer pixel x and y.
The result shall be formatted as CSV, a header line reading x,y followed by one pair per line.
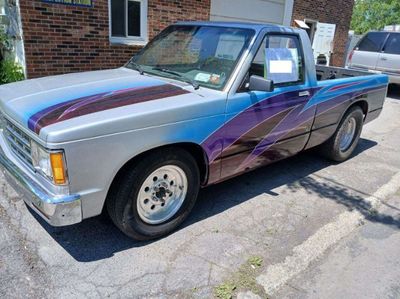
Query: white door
x,y
254,11
323,40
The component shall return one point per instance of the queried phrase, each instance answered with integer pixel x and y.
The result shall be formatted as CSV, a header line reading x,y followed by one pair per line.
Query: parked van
x,y
378,51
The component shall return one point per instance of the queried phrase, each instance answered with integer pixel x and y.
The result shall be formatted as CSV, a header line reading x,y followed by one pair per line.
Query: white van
x,y
378,51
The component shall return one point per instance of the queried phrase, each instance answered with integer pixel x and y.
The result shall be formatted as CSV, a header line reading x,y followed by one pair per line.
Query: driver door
x,y
263,127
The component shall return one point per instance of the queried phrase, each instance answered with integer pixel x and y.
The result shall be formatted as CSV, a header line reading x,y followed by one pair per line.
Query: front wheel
x,y
342,144
156,195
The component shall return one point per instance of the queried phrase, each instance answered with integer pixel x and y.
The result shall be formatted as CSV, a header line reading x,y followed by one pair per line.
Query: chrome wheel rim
x,y
162,194
348,134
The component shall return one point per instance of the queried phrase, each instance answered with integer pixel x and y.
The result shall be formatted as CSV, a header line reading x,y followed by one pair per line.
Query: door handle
x,y
304,93
383,58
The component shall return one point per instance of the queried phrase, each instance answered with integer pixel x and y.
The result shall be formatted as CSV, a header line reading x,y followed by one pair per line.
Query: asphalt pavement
x,y
304,227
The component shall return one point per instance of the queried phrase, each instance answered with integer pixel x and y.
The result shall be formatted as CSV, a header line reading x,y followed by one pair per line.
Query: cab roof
x,y
245,25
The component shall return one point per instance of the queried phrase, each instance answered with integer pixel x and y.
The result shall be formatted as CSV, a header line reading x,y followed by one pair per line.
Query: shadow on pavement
x,y
97,238
394,91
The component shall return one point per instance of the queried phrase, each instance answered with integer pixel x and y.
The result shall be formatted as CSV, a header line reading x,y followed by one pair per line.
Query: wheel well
x,y
363,105
194,149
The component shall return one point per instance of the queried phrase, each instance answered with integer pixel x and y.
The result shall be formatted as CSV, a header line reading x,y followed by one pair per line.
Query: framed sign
x,y
85,3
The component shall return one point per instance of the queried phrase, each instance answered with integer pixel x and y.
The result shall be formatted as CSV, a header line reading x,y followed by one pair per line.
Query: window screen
x,y
392,45
372,42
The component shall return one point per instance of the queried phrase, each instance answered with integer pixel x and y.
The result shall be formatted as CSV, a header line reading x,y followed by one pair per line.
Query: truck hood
x,y
40,104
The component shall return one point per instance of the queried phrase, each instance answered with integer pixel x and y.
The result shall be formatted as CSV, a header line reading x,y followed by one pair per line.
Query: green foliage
x,y
255,261
3,40
10,71
374,15
3,37
244,279
225,290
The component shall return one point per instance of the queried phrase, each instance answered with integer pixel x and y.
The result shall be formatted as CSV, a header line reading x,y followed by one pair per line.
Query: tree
x,y
374,15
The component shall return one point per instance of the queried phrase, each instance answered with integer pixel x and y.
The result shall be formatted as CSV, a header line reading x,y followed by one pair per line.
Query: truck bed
x,y
331,72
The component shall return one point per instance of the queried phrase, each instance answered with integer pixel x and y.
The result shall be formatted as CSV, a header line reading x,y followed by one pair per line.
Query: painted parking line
x,y
314,247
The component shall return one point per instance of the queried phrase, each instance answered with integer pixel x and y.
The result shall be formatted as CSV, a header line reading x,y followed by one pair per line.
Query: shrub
x,y
10,71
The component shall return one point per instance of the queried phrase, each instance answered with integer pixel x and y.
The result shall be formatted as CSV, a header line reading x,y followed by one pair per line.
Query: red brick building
x,y
98,34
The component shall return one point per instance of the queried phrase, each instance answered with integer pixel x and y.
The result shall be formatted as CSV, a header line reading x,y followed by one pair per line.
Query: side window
x,y
392,45
372,42
279,59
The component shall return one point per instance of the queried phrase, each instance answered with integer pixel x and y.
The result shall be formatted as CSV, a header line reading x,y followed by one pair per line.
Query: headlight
x,y
51,164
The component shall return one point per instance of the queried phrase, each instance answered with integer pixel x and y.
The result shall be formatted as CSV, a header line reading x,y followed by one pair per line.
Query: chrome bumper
x,y
57,210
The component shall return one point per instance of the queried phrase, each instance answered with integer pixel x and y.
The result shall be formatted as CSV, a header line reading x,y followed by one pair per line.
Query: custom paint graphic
x,y
242,141
254,131
100,102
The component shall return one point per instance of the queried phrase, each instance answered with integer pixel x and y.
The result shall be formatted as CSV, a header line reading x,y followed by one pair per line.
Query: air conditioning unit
x,y
392,28
3,4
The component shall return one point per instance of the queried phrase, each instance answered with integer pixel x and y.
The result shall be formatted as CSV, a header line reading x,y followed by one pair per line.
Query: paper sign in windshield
x,y
203,77
281,66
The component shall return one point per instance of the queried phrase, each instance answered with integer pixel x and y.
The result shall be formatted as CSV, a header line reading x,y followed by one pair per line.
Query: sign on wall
x,y
87,3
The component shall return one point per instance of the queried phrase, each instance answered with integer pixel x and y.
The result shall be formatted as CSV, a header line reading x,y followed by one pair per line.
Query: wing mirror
x,y
258,83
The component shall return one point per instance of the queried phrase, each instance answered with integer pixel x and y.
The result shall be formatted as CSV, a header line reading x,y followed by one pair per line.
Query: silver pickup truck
x,y
201,103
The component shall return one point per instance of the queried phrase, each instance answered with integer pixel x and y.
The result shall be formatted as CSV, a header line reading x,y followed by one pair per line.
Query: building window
x,y
128,22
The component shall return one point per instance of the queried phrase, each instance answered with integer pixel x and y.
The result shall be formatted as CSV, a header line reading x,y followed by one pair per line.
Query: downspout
x,y
287,16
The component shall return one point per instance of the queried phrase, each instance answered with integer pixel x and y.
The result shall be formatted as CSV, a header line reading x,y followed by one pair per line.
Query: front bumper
x,y
57,210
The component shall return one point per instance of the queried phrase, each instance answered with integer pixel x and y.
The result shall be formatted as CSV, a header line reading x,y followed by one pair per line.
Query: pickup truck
x,y
201,103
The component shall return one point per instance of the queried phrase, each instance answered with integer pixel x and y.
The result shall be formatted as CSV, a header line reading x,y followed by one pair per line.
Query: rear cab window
x,y
372,42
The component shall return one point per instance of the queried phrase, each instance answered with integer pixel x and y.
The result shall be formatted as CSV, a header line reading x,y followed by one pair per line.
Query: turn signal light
x,y
57,165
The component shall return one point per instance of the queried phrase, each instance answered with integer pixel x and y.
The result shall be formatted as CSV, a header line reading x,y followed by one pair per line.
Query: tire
x,y
143,218
342,144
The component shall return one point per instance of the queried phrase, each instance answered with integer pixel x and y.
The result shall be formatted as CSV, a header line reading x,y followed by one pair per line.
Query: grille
x,y
19,142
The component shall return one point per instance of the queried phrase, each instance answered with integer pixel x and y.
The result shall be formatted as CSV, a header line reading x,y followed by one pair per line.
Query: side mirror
x,y
258,83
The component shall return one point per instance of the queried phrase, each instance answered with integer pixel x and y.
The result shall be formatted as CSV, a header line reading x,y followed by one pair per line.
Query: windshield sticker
x,y
215,79
203,77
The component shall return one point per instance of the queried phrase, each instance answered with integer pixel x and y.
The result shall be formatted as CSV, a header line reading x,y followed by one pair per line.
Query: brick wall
x,y
328,11
62,39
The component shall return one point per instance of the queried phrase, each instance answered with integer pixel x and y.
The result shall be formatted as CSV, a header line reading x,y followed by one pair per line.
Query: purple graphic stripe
x,y
245,120
290,123
100,102
34,119
338,87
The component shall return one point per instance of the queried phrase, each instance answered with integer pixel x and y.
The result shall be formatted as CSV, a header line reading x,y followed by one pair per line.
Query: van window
x,y
372,42
392,45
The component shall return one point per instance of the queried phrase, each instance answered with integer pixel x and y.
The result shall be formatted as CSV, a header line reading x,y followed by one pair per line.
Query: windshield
x,y
200,55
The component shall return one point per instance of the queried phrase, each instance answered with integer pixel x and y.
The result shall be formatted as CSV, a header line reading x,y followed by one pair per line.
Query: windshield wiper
x,y
137,67
184,78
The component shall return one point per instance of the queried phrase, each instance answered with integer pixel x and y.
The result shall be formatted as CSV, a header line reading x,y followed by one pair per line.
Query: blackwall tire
x,y
342,144
170,180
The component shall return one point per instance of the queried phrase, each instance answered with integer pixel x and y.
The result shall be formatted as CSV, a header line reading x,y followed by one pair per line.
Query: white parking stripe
x,y
314,247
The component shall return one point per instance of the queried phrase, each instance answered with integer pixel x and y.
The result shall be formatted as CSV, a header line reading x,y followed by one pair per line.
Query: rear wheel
x,y
156,195
342,144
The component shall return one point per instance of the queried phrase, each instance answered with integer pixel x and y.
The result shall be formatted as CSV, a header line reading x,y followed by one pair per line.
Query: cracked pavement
x,y
265,213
